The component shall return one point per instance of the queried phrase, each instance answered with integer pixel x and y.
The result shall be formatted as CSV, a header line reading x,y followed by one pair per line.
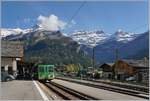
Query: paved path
x,y
97,93
19,90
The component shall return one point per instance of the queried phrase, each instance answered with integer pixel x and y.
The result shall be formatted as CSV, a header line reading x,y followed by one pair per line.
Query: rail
x,y
109,87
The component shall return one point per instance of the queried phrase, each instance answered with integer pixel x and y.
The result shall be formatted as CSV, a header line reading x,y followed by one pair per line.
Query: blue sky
x,y
108,16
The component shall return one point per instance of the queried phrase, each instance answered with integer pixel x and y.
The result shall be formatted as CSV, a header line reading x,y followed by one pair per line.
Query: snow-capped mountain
x,y
128,44
18,32
94,38
37,27
88,38
14,34
91,38
122,36
36,33
131,47
7,32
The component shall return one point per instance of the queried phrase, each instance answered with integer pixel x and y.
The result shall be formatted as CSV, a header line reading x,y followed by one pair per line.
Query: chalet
x,y
11,52
139,69
107,70
123,70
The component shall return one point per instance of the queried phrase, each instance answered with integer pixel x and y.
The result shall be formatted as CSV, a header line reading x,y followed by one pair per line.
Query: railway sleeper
x,y
119,90
60,92
76,93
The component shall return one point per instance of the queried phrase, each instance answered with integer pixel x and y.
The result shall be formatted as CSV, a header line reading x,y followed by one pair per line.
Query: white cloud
x,y
52,22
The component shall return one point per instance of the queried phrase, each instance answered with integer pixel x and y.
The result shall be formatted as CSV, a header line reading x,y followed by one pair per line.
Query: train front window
x,y
51,69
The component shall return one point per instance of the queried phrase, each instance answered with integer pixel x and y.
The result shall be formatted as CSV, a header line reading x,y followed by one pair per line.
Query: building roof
x,y
138,63
11,49
106,67
110,64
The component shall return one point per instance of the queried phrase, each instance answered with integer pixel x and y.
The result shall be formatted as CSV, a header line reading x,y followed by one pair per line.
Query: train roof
x,y
44,65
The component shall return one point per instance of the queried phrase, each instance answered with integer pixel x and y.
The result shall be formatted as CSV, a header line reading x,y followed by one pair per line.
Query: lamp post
x,y
117,54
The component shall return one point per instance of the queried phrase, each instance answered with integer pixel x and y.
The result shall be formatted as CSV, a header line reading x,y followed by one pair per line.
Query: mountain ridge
x,y
105,45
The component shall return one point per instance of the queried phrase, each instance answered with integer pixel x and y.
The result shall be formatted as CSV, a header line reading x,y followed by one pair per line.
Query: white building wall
x,y
14,64
9,62
5,62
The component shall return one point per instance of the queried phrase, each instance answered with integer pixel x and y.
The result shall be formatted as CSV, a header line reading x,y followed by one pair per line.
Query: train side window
x,y
43,69
46,69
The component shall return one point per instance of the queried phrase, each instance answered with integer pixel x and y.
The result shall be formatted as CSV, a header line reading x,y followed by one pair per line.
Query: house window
x,y
3,68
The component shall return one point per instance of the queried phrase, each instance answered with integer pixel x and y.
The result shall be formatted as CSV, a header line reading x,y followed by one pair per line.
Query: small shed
x,y
142,73
142,69
107,70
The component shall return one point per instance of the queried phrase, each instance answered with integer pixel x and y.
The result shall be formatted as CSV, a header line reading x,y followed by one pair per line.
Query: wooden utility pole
x,y
116,62
117,54
93,60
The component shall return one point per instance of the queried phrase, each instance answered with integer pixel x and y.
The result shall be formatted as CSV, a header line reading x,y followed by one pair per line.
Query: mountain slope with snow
x,y
50,47
94,38
130,45
88,38
122,36
137,48
91,38
7,32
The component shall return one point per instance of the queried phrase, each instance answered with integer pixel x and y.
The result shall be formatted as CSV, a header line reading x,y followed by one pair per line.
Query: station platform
x,y
20,90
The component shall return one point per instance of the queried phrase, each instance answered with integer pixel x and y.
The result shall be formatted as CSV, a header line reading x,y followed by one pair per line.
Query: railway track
x,y
110,88
67,93
127,86
139,88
